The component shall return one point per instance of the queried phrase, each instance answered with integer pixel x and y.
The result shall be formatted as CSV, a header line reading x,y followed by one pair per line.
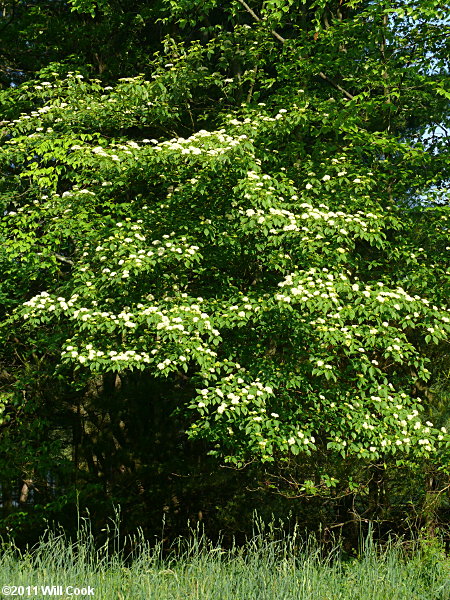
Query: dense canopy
x,y
224,228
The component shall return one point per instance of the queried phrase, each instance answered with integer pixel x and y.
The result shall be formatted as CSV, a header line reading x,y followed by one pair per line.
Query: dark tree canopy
x,y
224,251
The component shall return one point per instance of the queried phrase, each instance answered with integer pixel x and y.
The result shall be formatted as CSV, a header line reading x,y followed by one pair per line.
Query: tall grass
x,y
266,568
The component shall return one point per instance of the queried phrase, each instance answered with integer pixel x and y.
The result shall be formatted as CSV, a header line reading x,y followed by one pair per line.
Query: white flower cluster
x,y
192,322
306,285
35,113
233,390
260,118
210,143
185,325
300,437
141,258
89,354
240,314
401,428
309,285
43,302
282,220
207,143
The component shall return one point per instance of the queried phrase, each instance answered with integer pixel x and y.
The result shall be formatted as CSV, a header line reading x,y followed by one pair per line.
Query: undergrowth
x,y
267,567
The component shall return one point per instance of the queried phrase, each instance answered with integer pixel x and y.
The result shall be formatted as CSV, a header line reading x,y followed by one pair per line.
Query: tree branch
x,y
255,16
336,86
64,259
282,40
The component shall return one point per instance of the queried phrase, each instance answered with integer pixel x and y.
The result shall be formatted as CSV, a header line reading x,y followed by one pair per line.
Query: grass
x,y
194,569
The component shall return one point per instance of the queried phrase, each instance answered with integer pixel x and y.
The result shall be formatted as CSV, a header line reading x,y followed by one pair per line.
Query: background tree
x,y
237,235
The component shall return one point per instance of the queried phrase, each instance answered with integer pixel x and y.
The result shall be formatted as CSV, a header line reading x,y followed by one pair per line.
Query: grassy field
x,y
265,569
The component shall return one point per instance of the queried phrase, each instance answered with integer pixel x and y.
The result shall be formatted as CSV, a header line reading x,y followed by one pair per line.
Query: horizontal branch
x,y
64,259
336,86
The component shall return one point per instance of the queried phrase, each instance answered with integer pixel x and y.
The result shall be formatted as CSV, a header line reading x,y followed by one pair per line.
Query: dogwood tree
x,y
264,214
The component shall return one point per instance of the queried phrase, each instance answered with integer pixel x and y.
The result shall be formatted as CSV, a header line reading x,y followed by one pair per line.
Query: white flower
x,y
326,178
275,415
291,441
357,180
308,186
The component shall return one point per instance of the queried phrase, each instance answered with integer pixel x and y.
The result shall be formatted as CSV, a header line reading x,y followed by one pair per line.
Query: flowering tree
x,y
259,216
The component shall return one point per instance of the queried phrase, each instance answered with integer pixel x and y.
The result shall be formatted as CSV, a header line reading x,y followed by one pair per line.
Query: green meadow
x,y
264,568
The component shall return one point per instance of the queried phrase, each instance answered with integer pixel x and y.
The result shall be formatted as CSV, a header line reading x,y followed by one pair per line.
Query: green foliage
x,y
255,212
87,6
